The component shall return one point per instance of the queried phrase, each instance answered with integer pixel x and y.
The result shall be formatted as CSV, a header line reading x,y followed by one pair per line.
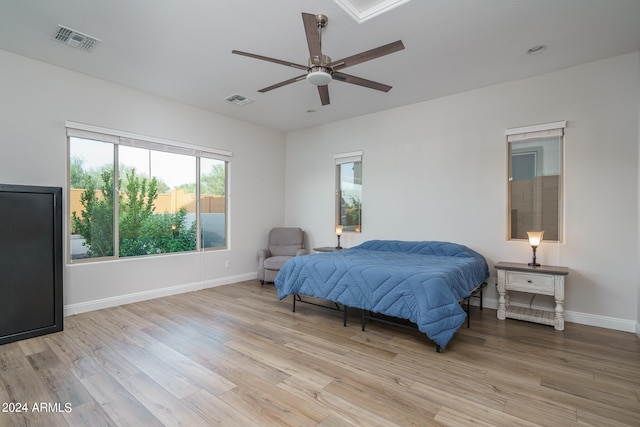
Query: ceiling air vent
x,y
76,39
238,99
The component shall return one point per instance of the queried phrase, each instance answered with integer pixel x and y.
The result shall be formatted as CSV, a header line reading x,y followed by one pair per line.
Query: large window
x,y
535,180
349,191
133,197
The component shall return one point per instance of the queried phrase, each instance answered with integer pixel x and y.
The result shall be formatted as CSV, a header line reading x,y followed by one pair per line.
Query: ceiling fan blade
x,y
313,35
266,58
284,83
324,94
360,81
367,56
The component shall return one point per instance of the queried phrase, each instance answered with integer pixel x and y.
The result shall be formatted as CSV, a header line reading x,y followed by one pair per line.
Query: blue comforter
x,y
418,281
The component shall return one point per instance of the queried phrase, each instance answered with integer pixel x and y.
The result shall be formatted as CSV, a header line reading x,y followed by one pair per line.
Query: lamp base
x,y
533,262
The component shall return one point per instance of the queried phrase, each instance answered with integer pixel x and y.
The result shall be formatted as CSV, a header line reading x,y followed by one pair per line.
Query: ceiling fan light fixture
x,y
319,77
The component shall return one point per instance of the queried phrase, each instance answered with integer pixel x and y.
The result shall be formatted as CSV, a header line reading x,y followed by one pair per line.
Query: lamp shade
x,y
319,78
338,230
535,237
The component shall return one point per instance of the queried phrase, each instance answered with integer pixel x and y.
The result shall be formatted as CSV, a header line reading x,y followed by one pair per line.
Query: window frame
x,y
120,138
342,159
532,133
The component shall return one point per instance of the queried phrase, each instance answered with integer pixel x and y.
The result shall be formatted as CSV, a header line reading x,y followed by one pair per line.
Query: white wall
x,y
437,171
35,101
638,262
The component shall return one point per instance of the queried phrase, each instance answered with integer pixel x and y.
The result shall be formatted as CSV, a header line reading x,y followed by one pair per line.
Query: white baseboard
x,y
99,304
578,317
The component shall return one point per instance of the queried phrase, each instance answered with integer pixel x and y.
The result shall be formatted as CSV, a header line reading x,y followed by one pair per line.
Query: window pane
x,y
213,203
350,196
535,187
158,202
91,198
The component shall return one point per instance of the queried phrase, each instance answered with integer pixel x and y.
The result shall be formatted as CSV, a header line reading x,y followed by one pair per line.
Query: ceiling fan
x,y
321,70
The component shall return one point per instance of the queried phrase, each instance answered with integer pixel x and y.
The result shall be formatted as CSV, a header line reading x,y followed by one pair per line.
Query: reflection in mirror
x,y
349,195
535,187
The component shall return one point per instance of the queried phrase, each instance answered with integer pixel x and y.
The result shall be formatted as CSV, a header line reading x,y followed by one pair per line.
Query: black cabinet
x,y
30,261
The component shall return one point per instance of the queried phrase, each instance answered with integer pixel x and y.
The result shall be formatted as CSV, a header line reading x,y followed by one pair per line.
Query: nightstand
x,y
326,249
544,280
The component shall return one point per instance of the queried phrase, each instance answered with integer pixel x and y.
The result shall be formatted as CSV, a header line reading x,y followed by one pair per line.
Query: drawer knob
x,y
529,281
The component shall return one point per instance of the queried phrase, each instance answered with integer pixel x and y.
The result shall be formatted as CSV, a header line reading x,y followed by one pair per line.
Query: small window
x,y
213,203
349,191
535,180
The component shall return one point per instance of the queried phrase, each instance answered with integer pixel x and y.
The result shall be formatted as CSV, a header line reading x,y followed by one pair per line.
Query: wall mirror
x,y
349,192
535,183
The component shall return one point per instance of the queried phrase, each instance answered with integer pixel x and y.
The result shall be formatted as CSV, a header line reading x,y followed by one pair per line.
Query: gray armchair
x,y
284,243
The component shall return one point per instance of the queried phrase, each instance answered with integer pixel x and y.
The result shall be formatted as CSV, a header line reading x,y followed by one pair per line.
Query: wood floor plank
x,y
618,397
88,414
161,373
162,404
62,385
534,410
402,406
236,355
479,416
12,357
342,410
216,412
103,352
74,356
268,410
195,373
240,368
191,344
122,407
283,359
598,416
33,346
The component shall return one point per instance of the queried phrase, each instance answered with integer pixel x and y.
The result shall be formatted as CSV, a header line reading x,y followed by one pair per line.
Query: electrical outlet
x,y
227,264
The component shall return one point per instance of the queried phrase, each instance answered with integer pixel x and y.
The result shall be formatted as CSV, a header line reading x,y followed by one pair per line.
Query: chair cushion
x,y
285,241
275,262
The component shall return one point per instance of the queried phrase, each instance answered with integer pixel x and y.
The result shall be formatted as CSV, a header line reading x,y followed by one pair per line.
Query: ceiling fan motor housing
x,y
319,76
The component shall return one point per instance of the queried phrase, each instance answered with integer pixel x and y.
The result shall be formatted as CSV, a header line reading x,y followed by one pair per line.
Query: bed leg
x,y
469,312
481,289
294,303
363,319
438,348
344,318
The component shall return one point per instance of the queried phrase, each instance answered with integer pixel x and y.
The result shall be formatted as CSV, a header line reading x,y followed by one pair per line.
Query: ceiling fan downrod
x,y
318,73
321,22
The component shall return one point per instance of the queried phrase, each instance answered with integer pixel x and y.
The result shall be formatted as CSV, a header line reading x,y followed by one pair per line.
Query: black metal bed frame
x,y
371,316
336,308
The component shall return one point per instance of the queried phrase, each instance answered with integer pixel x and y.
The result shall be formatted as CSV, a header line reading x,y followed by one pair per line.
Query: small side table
x,y
544,280
326,249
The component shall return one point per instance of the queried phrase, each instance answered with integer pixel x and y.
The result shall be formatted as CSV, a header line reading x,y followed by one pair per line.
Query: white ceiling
x,y
181,49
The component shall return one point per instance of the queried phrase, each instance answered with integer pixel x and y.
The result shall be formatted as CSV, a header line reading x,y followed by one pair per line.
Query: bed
x,y
422,282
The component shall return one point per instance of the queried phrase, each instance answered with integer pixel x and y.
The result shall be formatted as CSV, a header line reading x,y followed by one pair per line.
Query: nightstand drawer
x,y
526,282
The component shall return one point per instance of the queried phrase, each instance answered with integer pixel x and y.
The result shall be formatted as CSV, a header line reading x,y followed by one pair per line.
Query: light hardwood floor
x,y
235,355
